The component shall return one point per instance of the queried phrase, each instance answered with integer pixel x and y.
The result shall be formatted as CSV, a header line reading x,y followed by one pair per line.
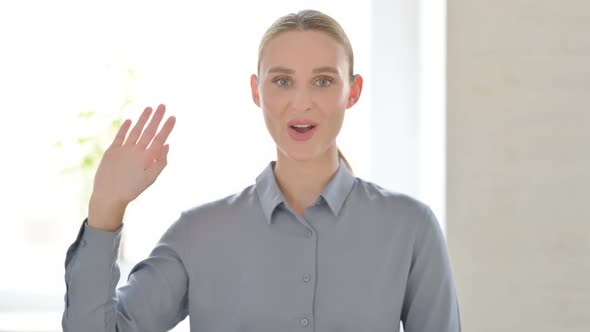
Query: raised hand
x,y
128,167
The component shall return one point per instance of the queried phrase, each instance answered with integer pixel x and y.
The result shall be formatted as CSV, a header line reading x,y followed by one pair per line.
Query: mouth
x,y
302,129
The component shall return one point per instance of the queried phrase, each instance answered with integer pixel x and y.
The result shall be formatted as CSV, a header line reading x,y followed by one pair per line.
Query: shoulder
x,y
221,208
402,207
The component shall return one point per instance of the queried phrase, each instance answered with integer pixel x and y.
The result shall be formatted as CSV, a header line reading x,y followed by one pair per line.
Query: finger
x,y
136,131
162,136
151,129
120,137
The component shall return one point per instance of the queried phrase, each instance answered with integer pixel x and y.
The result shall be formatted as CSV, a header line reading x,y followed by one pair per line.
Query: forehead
x,y
303,51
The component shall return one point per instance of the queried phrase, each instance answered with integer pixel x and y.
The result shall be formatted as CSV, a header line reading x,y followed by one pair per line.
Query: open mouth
x,y
302,128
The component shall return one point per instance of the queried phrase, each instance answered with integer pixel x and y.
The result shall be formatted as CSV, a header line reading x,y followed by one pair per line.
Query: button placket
x,y
308,270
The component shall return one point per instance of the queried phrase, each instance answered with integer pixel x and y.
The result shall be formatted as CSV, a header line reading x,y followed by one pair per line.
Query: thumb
x,y
160,162
163,155
165,149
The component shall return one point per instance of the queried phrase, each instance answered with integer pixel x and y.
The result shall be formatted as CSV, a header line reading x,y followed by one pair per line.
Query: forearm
x,y
91,278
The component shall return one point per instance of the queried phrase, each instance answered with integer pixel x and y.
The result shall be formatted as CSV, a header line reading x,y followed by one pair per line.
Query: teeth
x,y
301,126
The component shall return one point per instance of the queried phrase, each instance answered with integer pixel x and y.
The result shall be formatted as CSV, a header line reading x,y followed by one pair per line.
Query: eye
x,y
282,81
324,81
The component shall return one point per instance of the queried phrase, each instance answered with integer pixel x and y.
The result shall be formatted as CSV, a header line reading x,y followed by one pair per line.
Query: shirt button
x,y
307,233
304,322
306,278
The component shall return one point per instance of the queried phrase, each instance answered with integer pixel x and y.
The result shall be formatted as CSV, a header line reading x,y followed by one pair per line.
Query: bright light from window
x,y
68,68
63,58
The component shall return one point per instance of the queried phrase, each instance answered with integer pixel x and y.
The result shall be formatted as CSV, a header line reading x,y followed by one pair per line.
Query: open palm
x,y
132,163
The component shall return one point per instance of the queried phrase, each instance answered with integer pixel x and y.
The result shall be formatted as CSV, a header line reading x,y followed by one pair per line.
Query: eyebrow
x,y
284,70
326,69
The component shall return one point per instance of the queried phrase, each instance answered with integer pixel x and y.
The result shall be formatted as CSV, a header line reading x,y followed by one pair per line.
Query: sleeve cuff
x,y
97,245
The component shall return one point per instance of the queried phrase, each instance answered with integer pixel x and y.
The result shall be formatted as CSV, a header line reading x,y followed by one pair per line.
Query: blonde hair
x,y
310,19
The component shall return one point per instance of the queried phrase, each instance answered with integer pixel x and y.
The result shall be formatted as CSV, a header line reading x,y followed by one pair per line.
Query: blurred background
x,y
478,108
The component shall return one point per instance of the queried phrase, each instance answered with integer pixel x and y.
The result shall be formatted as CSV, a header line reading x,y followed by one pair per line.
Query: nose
x,y
302,100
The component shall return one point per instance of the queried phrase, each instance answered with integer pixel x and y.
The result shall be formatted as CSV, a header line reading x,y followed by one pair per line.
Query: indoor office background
x,y
479,108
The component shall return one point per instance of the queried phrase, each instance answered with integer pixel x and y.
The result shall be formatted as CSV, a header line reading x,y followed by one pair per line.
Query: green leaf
x,y
82,140
116,123
88,162
86,115
58,144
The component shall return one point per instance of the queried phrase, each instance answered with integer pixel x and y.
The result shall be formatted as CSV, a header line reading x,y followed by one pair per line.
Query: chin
x,y
301,154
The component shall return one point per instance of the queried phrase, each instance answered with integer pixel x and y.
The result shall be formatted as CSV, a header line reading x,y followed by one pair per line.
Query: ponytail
x,y
346,163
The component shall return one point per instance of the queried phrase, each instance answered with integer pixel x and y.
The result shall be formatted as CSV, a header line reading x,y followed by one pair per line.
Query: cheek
x,y
272,109
273,101
331,102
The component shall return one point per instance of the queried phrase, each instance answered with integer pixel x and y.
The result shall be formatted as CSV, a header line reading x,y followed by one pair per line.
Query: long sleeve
x,y
430,302
154,299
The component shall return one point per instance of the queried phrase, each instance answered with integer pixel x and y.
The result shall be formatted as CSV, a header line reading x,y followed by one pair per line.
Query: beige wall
x,y
519,163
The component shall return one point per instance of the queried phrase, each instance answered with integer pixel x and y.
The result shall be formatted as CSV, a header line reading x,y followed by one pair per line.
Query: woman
x,y
308,246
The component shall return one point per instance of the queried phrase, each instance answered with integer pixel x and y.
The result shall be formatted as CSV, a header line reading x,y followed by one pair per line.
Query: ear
x,y
255,91
355,90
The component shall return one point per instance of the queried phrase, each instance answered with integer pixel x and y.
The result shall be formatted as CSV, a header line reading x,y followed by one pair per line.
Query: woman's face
x,y
304,89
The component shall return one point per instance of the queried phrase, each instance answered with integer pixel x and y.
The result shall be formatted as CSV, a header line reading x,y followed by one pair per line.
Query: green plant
x,y
92,145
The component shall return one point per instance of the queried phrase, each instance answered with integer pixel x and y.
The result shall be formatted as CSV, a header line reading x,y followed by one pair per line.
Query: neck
x,y
301,182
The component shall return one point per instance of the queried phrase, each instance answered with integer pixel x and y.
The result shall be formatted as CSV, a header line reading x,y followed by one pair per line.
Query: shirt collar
x,y
334,194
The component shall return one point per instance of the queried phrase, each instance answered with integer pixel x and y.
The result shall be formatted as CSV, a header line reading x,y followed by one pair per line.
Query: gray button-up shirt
x,y
360,259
